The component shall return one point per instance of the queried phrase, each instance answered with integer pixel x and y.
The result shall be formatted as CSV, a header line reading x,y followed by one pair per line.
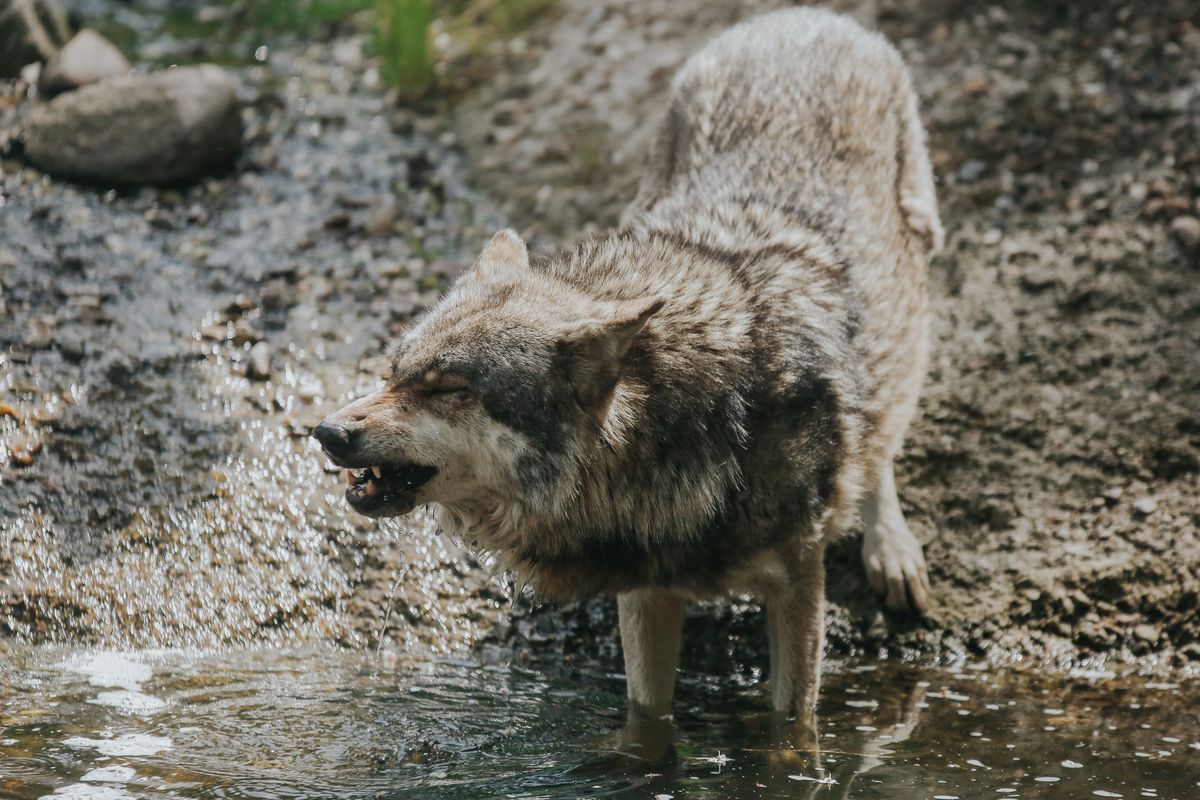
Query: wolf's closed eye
x,y
445,389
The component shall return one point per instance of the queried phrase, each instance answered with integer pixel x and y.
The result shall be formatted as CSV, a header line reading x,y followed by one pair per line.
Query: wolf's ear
x,y
504,255
595,350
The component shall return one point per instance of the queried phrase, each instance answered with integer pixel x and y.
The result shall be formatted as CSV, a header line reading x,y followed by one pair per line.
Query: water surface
x,y
324,723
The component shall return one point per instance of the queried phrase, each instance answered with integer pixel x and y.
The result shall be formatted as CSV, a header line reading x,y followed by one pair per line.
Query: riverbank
x,y
171,496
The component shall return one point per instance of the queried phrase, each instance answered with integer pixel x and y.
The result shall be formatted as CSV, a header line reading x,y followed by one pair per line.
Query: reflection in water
x,y
327,723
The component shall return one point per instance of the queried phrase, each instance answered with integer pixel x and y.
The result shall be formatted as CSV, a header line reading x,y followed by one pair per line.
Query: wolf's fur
x,y
699,400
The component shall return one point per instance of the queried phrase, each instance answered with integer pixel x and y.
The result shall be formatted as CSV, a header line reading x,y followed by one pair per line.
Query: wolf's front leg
x,y
651,634
891,554
796,627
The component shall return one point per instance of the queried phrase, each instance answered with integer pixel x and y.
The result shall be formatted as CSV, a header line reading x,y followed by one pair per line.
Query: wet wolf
x,y
696,402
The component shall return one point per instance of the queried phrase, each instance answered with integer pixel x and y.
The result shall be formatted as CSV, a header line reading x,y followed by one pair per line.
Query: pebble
x,y
22,448
309,390
1147,633
71,345
87,58
972,170
1187,230
258,367
1145,506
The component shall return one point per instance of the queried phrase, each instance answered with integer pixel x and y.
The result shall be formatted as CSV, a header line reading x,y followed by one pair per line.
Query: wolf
x,y
696,402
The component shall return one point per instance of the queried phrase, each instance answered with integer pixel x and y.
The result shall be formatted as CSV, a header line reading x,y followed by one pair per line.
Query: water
x,y
199,515
324,723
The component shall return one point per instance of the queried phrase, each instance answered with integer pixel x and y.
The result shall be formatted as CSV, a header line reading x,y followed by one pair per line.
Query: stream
x,y
188,610
325,723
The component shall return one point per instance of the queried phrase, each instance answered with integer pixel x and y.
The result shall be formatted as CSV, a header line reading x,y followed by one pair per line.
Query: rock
x,y
166,127
1147,633
22,448
87,58
972,171
258,367
71,345
309,390
30,30
1145,506
1187,230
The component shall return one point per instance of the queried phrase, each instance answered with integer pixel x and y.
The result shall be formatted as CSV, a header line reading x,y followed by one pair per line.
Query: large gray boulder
x,y
30,30
87,58
166,127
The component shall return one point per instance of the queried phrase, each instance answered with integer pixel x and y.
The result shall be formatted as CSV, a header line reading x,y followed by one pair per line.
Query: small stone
x,y
71,345
1187,230
309,390
1145,506
276,295
244,332
1147,633
87,58
258,366
1034,280
382,222
40,333
22,449
1112,494
976,85
972,171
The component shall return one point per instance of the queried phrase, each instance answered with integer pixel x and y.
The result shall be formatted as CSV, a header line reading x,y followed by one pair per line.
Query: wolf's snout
x,y
337,439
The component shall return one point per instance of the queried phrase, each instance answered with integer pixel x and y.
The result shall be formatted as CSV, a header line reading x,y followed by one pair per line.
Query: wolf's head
x,y
493,395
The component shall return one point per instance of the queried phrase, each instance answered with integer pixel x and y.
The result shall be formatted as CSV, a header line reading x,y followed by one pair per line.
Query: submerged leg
x,y
892,555
796,627
651,635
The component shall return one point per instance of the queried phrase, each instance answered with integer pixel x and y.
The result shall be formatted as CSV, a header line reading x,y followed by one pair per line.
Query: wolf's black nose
x,y
337,440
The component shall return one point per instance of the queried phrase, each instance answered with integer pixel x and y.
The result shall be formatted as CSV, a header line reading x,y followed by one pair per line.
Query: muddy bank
x,y
155,489
1053,472
163,353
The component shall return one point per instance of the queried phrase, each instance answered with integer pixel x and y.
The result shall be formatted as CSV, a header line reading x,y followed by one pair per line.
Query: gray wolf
x,y
696,402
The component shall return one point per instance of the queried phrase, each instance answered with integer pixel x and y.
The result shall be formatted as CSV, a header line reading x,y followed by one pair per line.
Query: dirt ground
x,y
1053,472
171,500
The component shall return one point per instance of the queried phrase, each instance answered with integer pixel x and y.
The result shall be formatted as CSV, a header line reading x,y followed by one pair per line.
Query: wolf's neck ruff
x,y
603,514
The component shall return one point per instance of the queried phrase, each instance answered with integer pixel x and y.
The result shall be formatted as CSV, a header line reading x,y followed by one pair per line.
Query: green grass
x,y
302,15
401,29
402,44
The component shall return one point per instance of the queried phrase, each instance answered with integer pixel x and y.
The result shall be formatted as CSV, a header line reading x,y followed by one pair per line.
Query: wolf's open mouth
x,y
385,484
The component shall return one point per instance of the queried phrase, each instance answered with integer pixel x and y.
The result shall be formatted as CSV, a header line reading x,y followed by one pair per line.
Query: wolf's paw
x,y
922,218
896,567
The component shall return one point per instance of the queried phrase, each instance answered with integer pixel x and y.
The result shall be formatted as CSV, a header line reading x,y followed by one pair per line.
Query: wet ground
x,y
154,492
153,489
157,492
319,723
1054,472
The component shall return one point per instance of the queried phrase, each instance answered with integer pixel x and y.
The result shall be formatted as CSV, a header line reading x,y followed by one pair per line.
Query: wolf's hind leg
x,y
796,629
651,635
917,196
892,555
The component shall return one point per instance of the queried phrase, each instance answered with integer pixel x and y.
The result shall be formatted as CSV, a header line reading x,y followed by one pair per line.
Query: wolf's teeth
x,y
377,472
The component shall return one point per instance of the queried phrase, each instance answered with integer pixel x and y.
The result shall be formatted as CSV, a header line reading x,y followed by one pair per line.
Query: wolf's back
x,y
803,108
